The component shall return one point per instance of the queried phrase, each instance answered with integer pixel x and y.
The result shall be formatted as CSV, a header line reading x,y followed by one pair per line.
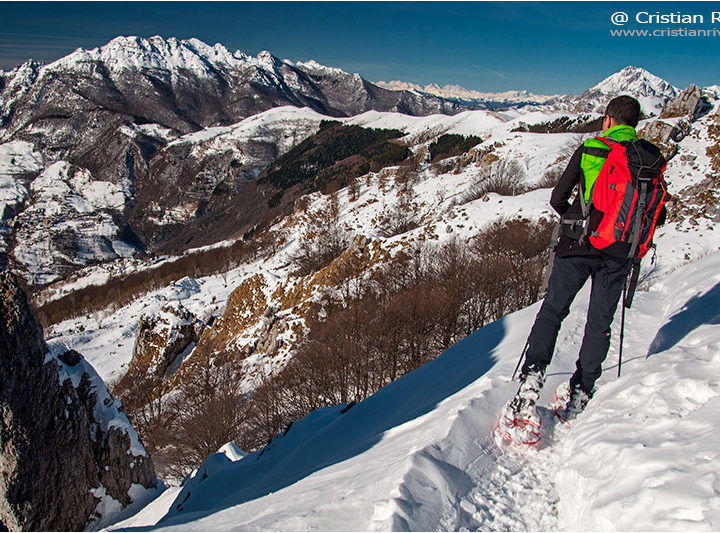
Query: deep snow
x,y
418,455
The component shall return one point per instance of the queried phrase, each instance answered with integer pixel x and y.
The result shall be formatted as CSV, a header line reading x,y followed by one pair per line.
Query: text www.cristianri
x,y
666,32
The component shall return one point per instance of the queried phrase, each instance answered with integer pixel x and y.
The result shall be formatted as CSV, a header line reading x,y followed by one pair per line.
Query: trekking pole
x,y
522,356
628,294
622,327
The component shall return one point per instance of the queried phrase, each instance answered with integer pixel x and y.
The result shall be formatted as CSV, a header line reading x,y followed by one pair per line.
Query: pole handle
x,y
622,328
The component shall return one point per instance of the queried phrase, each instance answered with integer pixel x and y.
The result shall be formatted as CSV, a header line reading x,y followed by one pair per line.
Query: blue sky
x,y
545,47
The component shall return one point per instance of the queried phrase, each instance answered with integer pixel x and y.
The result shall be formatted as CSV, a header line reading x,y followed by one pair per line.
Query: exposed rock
x,y
65,445
684,104
665,136
161,337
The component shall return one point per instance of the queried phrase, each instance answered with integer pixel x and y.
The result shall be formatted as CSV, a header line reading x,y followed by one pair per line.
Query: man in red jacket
x,y
577,260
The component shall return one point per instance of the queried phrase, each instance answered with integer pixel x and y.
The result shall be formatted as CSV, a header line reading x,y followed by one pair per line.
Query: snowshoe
x,y
519,422
569,402
517,428
562,397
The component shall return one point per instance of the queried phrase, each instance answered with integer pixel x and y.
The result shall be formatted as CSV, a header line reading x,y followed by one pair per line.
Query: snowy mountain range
x,y
651,90
456,92
164,124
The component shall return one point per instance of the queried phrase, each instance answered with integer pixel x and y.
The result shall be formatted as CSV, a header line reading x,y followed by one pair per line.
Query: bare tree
x,y
323,241
505,177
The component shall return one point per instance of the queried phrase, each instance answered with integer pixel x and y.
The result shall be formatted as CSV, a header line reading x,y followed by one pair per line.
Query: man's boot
x,y
519,420
570,401
523,404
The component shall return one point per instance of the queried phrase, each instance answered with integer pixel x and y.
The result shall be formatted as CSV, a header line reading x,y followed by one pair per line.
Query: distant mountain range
x,y
469,96
651,90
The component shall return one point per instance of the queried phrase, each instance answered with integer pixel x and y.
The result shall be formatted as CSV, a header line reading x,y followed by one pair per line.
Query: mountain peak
x,y
266,61
156,52
318,67
650,90
635,80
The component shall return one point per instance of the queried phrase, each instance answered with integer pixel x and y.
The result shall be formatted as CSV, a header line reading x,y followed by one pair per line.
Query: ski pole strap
x,y
632,285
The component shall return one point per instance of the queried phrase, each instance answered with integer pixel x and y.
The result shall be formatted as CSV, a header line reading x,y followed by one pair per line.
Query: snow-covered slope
x,y
418,455
436,200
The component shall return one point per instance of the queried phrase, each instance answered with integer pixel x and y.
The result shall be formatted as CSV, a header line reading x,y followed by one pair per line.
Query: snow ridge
x,y
156,53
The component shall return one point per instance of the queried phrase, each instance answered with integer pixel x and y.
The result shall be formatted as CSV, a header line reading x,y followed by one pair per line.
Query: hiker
x,y
577,259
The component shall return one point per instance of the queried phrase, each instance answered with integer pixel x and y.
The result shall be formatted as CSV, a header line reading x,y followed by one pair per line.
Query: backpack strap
x,y
643,181
607,140
599,152
639,215
595,152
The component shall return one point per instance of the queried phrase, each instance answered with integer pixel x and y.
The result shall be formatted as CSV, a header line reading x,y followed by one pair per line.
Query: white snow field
x,y
419,455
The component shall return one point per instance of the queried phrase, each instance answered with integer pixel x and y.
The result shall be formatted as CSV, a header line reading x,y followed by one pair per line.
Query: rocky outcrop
x,y
160,338
66,448
684,104
665,135
72,216
689,105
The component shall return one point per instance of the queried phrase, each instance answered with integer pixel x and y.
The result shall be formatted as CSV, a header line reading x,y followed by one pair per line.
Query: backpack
x,y
627,197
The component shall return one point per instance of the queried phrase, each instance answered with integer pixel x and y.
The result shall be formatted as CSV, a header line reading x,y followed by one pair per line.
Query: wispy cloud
x,y
15,49
495,73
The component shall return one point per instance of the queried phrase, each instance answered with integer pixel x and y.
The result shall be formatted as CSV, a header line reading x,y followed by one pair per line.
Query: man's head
x,y
622,110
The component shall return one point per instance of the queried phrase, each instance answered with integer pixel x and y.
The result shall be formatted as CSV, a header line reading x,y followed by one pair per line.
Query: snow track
x,y
466,483
514,492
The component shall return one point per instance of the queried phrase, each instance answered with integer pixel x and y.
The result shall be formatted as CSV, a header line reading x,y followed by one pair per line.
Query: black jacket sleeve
x,y
559,200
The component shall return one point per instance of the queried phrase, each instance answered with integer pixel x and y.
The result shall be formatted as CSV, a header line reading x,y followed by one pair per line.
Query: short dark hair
x,y
624,109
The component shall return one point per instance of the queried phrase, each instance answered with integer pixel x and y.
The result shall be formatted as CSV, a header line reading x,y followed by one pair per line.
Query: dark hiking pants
x,y
569,274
